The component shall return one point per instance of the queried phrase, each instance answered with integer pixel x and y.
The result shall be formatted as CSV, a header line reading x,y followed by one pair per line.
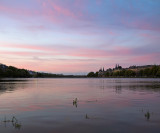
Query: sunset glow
x,y
78,36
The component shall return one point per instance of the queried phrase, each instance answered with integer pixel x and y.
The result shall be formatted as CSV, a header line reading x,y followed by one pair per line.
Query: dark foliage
x,y
150,72
92,74
13,72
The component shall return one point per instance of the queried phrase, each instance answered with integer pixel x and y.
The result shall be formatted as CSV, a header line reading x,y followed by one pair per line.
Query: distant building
x,y
118,67
102,72
109,70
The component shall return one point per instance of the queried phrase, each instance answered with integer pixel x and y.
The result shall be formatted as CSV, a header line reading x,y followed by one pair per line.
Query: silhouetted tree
x,y
158,72
91,74
96,74
107,74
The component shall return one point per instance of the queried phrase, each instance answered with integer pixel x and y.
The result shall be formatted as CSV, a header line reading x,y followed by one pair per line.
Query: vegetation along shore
x,y
147,71
13,72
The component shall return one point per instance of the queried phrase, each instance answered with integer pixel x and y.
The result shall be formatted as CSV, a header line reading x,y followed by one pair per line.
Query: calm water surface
x,y
104,105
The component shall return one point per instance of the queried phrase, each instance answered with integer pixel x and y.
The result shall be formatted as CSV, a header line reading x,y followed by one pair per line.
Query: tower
x,y
116,66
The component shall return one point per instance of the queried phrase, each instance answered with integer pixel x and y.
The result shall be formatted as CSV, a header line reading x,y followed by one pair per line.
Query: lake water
x,y
104,105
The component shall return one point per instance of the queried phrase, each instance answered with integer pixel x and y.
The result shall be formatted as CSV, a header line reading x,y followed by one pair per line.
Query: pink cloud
x,y
122,50
17,11
65,50
23,53
52,65
145,59
145,35
141,24
112,33
24,46
55,10
51,10
150,36
69,65
61,10
89,53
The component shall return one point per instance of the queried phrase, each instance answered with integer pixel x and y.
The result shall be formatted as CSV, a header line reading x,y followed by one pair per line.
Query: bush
x,y
91,74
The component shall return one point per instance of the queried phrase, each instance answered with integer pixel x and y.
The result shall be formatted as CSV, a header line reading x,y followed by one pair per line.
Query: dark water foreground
x,y
103,106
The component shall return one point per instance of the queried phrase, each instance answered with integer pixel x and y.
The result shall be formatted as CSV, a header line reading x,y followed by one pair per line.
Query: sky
x,y
79,36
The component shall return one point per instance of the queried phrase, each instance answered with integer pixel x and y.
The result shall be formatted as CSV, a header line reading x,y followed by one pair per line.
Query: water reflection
x,y
82,105
118,89
8,85
130,84
75,102
147,115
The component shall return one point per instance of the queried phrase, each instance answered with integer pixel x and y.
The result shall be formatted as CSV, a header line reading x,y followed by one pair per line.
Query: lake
x,y
103,105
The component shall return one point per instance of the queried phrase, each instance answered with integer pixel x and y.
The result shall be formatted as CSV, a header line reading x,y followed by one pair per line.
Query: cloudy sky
x,y
78,36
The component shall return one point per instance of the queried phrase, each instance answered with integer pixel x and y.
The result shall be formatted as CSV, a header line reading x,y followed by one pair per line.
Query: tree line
x,y
146,72
13,72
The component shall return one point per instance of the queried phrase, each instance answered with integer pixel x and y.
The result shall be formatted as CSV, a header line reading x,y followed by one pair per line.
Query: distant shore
x,y
147,71
13,72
